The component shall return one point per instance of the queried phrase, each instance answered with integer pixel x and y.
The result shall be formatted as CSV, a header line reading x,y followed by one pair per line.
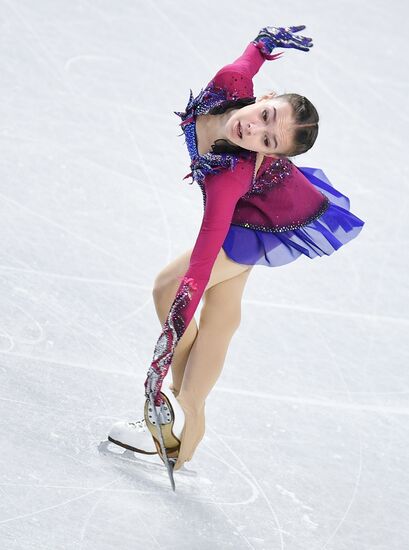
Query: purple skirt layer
x,y
330,231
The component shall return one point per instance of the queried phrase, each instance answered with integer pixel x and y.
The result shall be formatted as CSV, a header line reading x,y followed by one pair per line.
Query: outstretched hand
x,y
284,37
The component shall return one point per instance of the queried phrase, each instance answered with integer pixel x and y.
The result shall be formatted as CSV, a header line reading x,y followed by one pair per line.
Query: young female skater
x,y
259,209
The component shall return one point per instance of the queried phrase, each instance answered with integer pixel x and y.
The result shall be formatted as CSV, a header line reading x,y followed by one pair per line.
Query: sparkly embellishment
x,y
276,173
295,225
172,331
160,346
210,163
284,37
265,46
209,97
189,281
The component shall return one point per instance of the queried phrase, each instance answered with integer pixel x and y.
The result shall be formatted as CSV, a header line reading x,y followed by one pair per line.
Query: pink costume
x,y
269,219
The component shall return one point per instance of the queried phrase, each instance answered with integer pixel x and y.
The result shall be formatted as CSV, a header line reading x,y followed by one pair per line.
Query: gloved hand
x,y
281,37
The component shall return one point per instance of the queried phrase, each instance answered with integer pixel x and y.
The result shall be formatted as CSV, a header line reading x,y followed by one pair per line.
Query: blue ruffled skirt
x,y
334,228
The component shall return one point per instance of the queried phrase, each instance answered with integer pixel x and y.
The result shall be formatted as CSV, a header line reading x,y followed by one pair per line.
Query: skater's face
x,y
266,127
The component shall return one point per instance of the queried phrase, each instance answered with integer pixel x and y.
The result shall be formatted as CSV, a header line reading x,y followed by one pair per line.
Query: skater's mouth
x,y
238,130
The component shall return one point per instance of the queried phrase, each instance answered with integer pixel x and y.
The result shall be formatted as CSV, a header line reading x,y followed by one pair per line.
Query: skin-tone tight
x,y
199,356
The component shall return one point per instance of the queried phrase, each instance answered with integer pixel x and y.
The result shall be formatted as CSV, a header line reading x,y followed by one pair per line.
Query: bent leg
x,y
219,320
164,290
165,287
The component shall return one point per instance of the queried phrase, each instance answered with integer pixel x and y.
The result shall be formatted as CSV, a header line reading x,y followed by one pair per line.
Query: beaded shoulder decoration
x,y
275,173
211,163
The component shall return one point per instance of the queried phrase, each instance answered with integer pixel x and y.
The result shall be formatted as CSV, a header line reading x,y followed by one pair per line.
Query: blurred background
x,y
307,428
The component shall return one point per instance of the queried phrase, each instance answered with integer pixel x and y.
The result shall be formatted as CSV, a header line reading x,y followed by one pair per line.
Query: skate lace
x,y
138,424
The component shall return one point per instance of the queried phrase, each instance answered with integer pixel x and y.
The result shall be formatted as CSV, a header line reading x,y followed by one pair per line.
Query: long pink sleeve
x,y
246,66
222,193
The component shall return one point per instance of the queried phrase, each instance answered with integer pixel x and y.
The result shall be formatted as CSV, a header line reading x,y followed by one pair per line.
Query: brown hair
x,y
306,121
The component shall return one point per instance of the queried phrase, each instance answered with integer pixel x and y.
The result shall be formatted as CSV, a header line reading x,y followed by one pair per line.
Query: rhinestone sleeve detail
x,y
172,331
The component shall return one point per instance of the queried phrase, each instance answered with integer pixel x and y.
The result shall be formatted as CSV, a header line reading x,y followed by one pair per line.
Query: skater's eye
x,y
265,116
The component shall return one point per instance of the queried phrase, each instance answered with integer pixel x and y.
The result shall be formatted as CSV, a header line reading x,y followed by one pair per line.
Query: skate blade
x,y
146,464
130,448
165,440
108,448
111,450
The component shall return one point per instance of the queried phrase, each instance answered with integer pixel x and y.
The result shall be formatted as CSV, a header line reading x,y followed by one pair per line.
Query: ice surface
x,y
307,435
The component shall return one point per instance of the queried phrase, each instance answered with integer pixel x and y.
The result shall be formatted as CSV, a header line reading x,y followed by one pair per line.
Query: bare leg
x,y
219,320
164,291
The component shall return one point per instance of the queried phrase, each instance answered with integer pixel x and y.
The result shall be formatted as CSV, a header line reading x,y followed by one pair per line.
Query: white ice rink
x,y
307,439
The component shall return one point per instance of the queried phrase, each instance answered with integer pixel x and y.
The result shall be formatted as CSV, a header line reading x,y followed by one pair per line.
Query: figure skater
x,y
259,209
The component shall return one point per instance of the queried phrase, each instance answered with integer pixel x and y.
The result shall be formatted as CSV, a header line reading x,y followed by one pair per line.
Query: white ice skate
x,y
136,437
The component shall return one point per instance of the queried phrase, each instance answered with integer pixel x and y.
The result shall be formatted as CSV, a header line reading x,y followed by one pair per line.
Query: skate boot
x,y
171,418
134,436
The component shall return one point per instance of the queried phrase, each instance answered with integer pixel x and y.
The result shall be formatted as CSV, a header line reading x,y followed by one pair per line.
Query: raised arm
x,y
259,49
222,193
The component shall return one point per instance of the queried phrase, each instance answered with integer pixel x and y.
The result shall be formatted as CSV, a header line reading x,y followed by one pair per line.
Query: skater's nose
x,y
251,128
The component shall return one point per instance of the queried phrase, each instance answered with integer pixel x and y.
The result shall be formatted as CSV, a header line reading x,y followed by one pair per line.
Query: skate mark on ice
x,y
285,492
142,161
89,57
364,126
88,518
4,334
397,229
354,493
170,22
250,475
330,313
92,513
80,488
59,313
33,320
380,409
254,492
74,278
152,464
69,364
332,354
68,501
79,238
235,526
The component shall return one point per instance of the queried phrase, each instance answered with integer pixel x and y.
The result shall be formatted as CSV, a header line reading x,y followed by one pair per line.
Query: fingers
x,y
296,47
302,41
284,37
296,29
299,42
303,48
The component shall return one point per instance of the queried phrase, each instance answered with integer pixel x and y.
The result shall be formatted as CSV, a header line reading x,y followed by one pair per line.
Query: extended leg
x,y
219,320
